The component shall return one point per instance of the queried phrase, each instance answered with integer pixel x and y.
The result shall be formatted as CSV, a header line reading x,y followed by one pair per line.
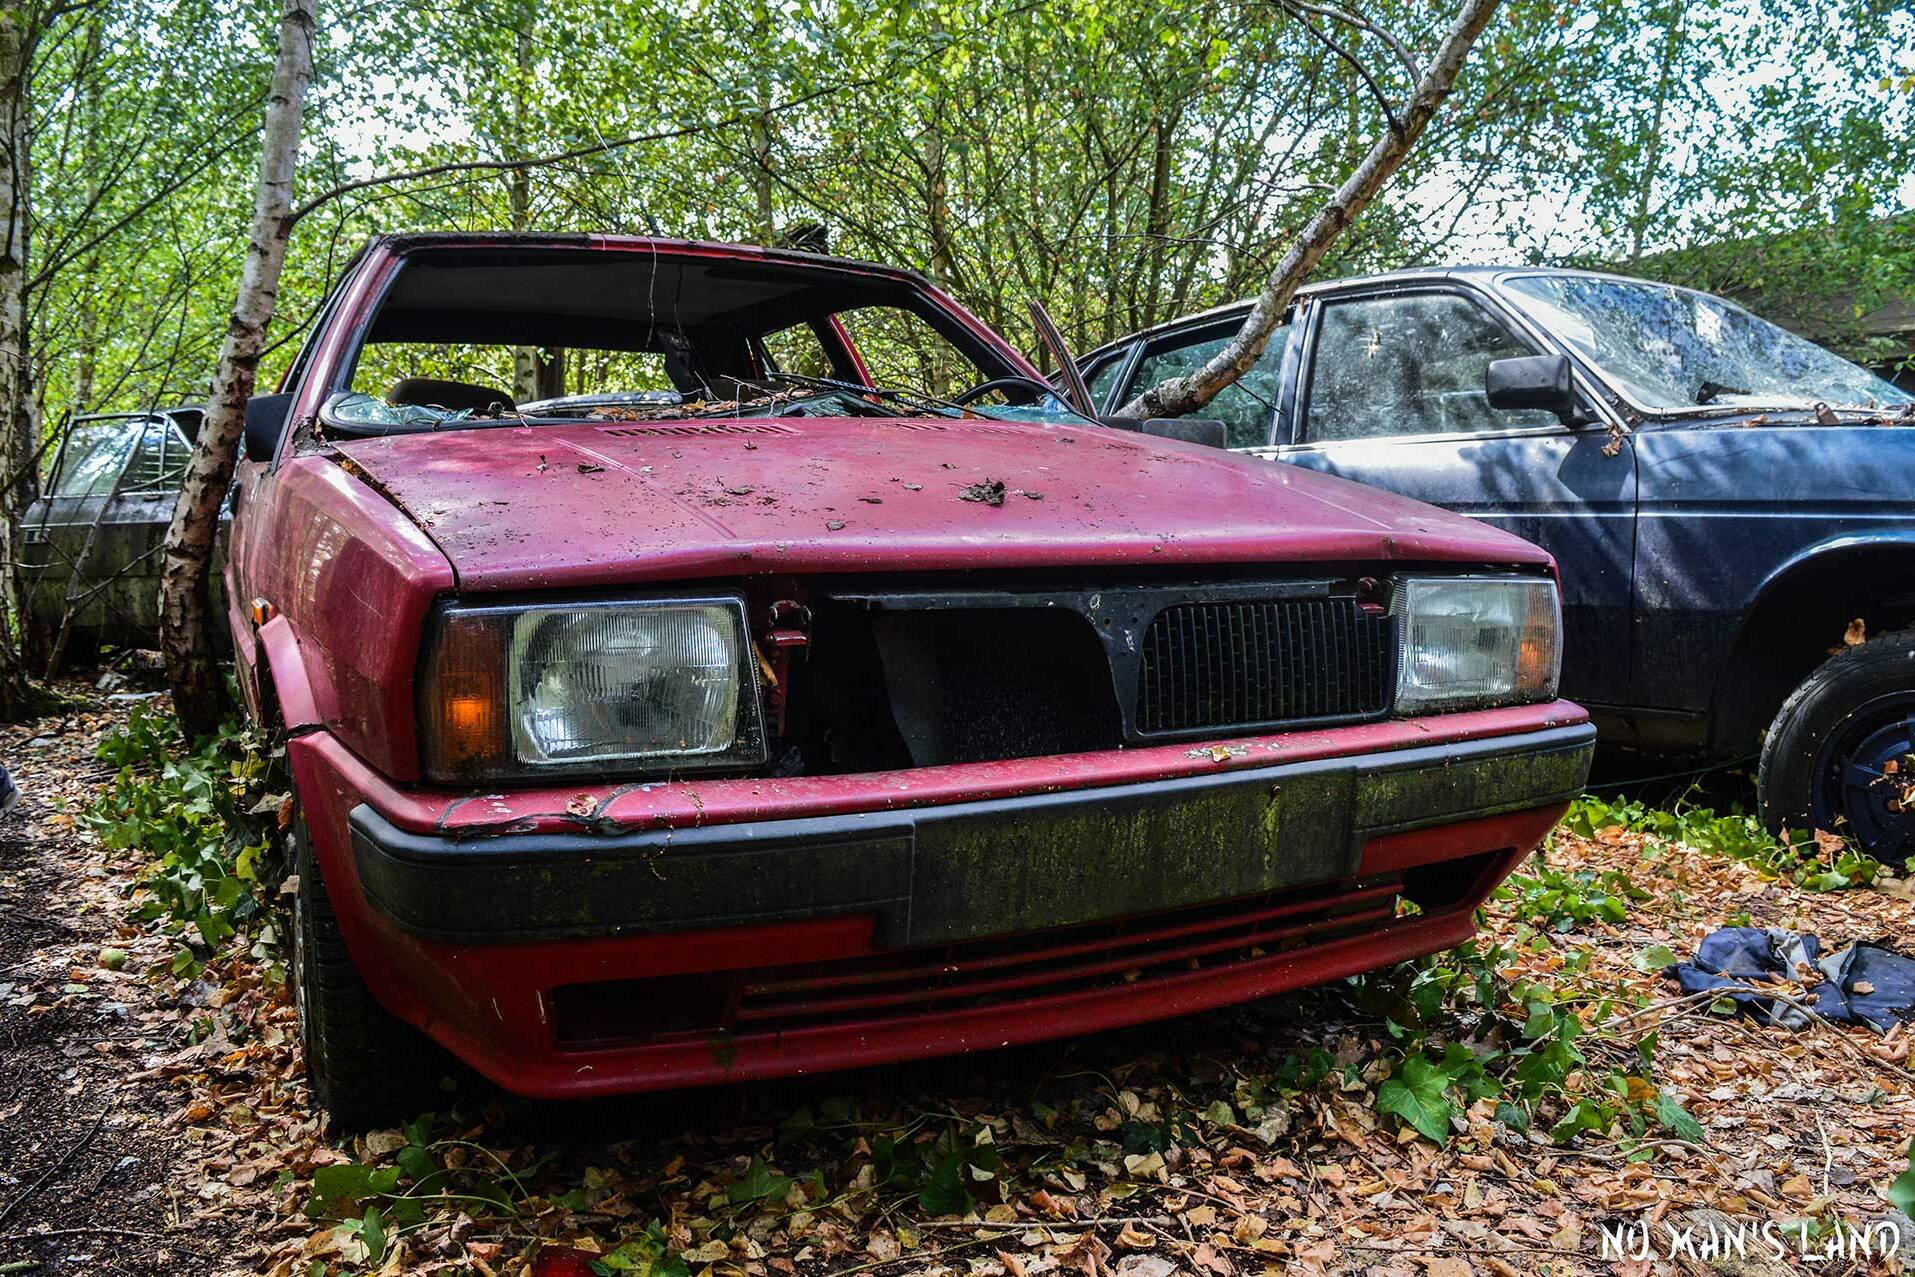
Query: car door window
x,y
1248,406
91,462
1410,364
1103,376
161,457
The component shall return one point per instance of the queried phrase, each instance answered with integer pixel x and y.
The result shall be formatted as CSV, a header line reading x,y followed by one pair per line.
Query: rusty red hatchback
x,y
706,663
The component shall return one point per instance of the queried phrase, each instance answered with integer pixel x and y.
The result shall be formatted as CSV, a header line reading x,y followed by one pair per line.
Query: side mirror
x,y
1533,381
265,424
1204,430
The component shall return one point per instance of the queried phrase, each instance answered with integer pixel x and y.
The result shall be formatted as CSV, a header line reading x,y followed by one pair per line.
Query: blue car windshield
x,y
1669,349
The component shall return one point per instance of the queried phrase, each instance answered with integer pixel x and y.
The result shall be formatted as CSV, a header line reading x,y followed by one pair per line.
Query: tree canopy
x,y
1123,162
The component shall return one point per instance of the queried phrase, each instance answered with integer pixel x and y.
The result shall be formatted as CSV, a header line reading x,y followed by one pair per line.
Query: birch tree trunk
x,y
19,433
1182,395
199,692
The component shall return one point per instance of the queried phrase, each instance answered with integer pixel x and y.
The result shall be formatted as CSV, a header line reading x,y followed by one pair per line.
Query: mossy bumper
x,y
962,871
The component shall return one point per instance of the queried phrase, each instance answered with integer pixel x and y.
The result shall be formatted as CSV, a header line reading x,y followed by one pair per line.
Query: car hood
x,y
552,505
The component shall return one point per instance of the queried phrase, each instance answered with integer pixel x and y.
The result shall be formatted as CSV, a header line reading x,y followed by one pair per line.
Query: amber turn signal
x,y
463,700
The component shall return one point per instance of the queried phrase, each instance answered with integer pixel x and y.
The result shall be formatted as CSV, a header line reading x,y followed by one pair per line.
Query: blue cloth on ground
x,y
1862,984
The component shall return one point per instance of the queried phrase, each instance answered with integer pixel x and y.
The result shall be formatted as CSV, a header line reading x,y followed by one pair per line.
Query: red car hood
x,y
545,506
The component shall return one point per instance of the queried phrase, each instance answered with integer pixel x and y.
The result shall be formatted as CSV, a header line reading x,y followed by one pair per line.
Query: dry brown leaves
x,y
1809,1124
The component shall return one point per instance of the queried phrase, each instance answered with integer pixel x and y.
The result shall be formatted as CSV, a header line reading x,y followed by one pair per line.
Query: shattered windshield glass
x,y
479,337
1668,349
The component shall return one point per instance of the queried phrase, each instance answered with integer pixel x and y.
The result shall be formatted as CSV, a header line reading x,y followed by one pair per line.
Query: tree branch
x,y
1182,395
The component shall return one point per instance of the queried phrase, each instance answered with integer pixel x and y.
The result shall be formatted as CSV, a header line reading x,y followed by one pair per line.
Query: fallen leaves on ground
x,y
1308,1134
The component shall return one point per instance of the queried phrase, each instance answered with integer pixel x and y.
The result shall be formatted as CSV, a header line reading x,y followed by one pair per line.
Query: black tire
x,y
1823,764
365,1066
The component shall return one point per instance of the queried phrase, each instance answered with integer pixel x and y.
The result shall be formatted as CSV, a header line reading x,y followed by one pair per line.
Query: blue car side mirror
x,y
1534,381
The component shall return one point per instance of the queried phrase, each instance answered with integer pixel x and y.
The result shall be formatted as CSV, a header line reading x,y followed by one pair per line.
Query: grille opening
x,y
896,675
621,1010
698,428
908,984
1448,883
1253,662
918,689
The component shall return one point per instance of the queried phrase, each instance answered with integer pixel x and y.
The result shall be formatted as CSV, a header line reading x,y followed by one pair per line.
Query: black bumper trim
x,y
960,871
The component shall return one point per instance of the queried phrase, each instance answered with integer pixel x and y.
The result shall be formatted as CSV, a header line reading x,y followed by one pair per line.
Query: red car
x,y
704,663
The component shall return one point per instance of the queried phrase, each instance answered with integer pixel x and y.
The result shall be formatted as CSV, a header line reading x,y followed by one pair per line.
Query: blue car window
x,y
1410,364
1247,407
1104,376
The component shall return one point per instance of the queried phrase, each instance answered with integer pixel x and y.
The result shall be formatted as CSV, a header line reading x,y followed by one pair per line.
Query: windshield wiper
x,y
910,398
1709,391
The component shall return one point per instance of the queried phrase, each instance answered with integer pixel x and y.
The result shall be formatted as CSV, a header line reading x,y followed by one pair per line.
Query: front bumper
x,y
963,871
561,963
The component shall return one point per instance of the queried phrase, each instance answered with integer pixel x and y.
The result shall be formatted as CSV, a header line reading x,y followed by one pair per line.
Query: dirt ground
x,y
91,1146
154,1125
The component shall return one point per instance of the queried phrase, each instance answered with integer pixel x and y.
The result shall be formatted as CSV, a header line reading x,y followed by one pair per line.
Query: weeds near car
x,y
1465,1033
207,819
1461,1049
1815,861
1549,898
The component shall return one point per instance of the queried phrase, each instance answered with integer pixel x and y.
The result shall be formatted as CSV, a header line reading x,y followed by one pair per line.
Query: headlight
x,y
515,692
1475,641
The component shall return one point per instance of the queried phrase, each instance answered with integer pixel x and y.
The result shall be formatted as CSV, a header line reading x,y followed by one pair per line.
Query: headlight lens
x,y
596,687
1476,641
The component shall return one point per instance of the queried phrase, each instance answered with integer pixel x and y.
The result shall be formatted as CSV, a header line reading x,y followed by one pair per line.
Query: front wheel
x,y
365,1066
1840,755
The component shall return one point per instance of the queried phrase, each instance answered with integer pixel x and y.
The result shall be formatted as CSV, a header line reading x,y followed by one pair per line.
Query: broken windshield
x,y
477,337
1669,349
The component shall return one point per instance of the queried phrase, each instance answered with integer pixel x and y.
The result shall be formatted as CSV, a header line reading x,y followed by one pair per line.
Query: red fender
x,y
286,667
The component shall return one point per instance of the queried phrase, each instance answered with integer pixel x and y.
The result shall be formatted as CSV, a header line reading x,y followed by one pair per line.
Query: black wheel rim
x,y
1865,775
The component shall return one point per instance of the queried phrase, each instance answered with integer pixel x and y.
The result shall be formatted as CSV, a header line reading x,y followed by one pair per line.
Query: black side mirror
x,y
1204,430
1533,381
265,424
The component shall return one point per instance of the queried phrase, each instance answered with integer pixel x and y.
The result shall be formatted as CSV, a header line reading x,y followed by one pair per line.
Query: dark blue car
x,y
1732,507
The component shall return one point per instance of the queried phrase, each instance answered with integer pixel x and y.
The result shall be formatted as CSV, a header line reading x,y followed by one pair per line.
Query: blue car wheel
x,y
1840,755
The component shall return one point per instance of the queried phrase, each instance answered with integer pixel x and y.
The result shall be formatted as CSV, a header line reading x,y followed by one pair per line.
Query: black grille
x,y
1260,662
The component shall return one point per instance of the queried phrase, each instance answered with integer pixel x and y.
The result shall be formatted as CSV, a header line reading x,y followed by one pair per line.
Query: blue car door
x,y
1389,392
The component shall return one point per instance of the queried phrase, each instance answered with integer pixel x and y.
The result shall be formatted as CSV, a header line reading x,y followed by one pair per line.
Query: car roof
x,y
95,418
1410,274
411,241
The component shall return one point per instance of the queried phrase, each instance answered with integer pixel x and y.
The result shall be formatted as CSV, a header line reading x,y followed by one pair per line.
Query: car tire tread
x,y
364,1064
1783,776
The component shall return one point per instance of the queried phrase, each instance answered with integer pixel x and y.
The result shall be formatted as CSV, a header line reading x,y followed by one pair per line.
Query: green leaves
x,y
1417,1093
337,1189
1901,1194
757,1184
1656,957
1677,1121
1587,1114
1813,863
1563,901
947,1174
1419,1090
645,1255
206,820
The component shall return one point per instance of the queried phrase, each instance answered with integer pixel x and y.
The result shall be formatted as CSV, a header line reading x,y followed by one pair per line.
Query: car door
x,y
137,524
1248,408
79,486
1389,392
